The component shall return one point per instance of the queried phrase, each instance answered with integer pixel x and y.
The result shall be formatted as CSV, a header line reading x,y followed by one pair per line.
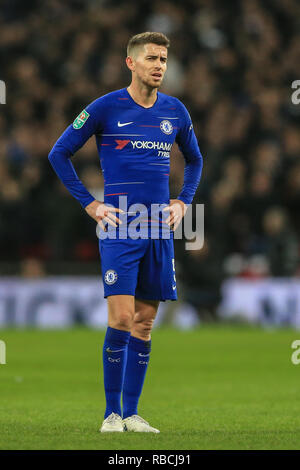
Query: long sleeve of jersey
x,y
132,143
188,145
74,137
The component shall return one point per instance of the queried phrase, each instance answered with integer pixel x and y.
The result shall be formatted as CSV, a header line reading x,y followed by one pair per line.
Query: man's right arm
x,y
74,137
59,158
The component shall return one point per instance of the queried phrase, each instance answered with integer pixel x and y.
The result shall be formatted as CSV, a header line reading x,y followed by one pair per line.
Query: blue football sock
x,y
136,368
114,364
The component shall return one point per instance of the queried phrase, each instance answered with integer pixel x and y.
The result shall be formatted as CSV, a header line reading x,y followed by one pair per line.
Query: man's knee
x,y
120,313
142,324
122,321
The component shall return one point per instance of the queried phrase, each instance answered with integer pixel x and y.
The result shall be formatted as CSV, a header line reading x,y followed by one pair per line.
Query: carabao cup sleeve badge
x,y
81,119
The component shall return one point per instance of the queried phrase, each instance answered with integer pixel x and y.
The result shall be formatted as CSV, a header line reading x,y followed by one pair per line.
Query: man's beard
x,y
151,84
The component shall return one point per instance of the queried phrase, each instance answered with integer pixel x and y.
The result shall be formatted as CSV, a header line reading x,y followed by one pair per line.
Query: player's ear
x,y
130,63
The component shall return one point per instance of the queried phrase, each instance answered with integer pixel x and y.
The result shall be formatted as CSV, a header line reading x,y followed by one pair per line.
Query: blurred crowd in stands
x,y
231,63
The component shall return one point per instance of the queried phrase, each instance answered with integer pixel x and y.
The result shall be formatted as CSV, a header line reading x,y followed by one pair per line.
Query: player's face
x,y
151,64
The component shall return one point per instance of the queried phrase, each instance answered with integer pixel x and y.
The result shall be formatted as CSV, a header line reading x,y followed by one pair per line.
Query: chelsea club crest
x,y
166,127
110,277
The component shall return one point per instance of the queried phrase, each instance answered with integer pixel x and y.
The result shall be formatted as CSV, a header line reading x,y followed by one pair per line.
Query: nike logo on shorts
x,y
124,123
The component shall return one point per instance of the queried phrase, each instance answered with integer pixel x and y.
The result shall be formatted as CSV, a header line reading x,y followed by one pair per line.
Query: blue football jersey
x,y
134,145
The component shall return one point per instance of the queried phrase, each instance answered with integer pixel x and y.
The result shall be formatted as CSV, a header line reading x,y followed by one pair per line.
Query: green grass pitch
x,y
217,387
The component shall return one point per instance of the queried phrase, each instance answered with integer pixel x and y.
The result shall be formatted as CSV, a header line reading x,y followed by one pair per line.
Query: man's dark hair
x,y
145,38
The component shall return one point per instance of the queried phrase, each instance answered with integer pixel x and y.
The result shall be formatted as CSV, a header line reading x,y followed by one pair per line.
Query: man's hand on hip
x,y
177,209
100,212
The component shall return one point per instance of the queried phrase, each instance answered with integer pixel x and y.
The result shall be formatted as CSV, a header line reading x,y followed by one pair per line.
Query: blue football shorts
x,y
144,268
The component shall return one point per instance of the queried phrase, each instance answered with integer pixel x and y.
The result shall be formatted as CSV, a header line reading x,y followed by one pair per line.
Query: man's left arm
x,y
189,147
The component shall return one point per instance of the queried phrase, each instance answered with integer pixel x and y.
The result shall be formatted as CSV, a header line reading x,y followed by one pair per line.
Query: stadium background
x,y
232,67
232,64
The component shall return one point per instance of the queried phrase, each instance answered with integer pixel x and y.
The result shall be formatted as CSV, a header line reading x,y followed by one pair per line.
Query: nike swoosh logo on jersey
x,y
108,350
144,355
173,287
124,123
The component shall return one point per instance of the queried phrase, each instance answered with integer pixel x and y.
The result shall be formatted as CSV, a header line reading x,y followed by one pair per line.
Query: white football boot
x,y
137,424
113,423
